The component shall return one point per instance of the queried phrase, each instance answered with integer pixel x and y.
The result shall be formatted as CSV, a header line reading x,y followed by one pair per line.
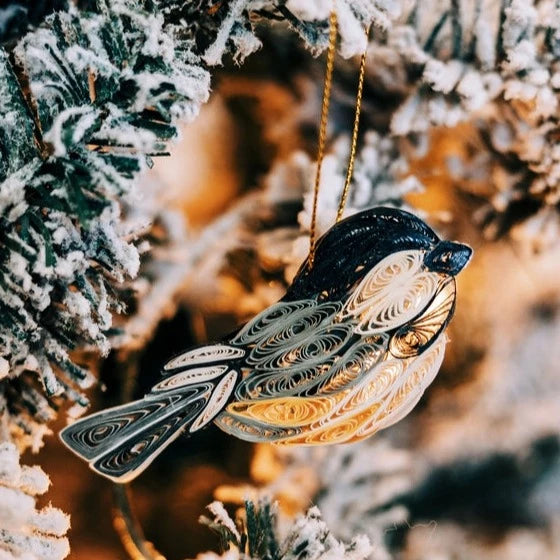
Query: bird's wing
x,y
203,356
301,348
120,442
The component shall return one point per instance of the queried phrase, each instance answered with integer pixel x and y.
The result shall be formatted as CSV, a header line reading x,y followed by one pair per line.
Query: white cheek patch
x,y
392,293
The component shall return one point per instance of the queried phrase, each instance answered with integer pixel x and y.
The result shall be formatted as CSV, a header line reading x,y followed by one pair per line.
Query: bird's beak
x,y
449,257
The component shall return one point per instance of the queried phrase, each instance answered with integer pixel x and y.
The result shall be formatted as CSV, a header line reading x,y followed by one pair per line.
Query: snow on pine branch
x,y
462,56
28,532
495,65
108,88
256,537
233,25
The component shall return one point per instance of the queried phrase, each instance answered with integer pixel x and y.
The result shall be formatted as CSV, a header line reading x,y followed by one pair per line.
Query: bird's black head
x,y
351,248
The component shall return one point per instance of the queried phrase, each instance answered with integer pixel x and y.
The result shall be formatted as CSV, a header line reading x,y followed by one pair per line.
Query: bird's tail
x,y
120,442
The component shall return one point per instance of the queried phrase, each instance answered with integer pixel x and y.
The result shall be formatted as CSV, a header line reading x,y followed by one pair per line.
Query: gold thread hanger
x,y
323,133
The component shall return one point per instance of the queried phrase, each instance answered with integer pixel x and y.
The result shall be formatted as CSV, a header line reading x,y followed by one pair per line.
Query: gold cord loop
x,y
323,134
355,128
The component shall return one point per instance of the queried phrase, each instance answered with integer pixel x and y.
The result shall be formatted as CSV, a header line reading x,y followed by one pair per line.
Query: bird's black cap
x,y
354,246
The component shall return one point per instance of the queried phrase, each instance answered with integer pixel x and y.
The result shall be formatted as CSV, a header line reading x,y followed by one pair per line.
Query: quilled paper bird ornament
x,y
348,351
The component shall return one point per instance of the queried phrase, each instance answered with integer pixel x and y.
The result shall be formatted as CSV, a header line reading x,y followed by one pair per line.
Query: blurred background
x,y
474,471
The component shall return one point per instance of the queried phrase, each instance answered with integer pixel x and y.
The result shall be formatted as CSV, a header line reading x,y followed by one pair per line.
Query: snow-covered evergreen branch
x,y
257,537
25,531
86,102
496,66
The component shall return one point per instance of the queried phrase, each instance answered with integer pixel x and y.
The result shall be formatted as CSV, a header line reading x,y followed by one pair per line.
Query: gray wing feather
x,y
304,348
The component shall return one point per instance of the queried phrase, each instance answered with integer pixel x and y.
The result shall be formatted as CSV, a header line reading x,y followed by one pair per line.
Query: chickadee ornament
x,y
348,351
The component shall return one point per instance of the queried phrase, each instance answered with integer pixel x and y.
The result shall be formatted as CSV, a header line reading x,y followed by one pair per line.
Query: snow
x,y
222,517
215,52
28,532
521,56
12,190
443,76
310,10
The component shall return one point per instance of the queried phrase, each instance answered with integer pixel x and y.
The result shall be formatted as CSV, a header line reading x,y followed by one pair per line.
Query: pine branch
x,y
107,87
255,537
495,65
28,532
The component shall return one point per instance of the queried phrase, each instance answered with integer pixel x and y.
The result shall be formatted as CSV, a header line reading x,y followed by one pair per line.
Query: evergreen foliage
x,y
28,531
256,536
87,101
